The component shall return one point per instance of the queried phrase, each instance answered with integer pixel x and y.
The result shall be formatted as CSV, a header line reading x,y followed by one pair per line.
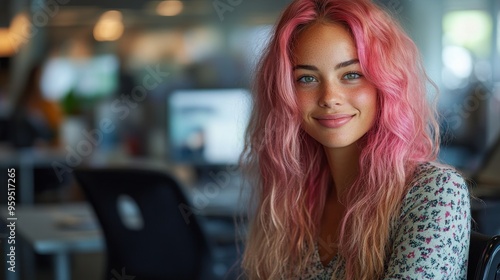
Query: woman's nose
x,y
331,95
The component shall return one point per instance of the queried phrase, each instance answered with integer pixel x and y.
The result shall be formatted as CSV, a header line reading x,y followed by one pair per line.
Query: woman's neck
x,y
344,167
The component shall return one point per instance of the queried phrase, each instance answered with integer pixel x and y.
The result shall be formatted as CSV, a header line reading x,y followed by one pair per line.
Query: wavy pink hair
x,y
290,168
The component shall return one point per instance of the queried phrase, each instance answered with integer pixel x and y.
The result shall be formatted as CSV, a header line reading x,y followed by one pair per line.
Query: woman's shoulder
x,y
433,181
434,189
432,232
432,175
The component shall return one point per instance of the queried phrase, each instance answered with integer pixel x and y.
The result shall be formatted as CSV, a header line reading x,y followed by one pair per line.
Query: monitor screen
x,y
207,126
91,77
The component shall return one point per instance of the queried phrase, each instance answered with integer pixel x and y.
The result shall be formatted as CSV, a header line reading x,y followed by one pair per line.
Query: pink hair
x,y
290,167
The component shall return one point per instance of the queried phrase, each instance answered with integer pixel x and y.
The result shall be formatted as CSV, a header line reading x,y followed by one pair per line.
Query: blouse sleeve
x,y
431,239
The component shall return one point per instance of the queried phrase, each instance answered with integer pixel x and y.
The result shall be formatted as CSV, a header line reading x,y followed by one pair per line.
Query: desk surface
x,y
57,228
36,156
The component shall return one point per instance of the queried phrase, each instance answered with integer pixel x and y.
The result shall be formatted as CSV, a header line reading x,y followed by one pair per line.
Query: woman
x,y
343,144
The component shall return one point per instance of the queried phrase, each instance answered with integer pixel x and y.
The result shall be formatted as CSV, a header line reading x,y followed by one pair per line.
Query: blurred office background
x,y
165,84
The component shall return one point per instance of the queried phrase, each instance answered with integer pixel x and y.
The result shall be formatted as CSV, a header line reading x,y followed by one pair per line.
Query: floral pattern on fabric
x,y
431,238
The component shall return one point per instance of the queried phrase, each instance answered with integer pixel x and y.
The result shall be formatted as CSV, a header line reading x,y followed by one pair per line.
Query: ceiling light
x,y
6,48
169,8
109,27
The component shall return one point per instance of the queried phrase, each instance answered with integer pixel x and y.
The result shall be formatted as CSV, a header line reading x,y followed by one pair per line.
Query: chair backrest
x,y
162,245
484,257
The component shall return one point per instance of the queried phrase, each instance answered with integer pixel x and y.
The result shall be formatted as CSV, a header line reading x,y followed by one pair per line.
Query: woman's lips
x,y
334,121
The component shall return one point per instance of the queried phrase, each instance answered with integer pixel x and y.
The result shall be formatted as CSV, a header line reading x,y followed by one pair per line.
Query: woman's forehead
x,y
320,41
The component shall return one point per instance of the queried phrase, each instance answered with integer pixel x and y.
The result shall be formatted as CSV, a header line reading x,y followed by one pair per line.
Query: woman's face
x,y
337,103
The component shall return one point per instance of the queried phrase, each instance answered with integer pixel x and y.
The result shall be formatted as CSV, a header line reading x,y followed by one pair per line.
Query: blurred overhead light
x,y
6,48
169,8
17,35
457,68
109,27
470,29
21,31
458,60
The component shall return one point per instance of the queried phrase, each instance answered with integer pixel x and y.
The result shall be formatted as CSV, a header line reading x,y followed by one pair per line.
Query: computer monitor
x,y
206,127
87,78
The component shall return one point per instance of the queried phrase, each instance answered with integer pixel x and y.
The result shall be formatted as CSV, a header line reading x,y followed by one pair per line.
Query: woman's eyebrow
x,y
306,67
337,67
346,63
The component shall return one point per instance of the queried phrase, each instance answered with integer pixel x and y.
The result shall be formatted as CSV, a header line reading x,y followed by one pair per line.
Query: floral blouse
x,y
431,239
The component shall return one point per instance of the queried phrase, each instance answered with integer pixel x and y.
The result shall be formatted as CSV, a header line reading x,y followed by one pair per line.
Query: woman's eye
x,y
306,79
352,76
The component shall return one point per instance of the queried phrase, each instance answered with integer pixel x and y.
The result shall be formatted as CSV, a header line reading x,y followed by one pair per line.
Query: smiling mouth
x,y
334,121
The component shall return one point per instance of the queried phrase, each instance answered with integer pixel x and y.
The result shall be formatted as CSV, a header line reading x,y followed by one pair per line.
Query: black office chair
x,y
484,257
159,244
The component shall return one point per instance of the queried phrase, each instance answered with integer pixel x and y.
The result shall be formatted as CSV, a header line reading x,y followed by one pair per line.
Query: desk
x,y
47,229
57,230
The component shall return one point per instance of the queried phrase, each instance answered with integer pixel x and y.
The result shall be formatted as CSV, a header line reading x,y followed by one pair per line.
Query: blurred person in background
x,y
36,121
35,124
